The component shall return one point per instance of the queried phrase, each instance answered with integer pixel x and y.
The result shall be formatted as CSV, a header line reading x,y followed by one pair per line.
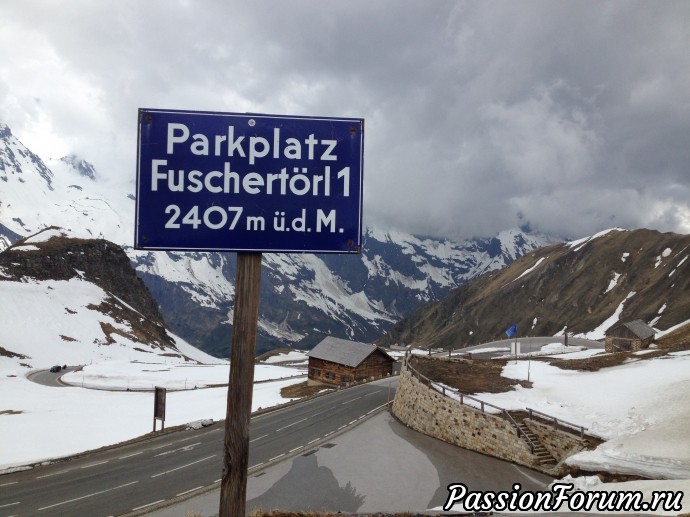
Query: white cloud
x,y
479,115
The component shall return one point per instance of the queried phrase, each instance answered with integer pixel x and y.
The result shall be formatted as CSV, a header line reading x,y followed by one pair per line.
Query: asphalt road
x,y
136,477
48,378
528,345
123,479
379,465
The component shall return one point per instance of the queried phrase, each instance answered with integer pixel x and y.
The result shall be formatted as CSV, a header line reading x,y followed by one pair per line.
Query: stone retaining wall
x,y
427,411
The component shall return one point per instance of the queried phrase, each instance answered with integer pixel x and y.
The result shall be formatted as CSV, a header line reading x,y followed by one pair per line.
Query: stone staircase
x,y
543,456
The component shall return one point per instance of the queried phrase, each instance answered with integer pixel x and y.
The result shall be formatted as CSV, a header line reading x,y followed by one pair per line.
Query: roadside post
x,y
247,183
159,399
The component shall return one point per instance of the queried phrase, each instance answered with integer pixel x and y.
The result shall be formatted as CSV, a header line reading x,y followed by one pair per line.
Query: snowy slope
x,y
64,192
304,297
73,320
62,325
588,285
27,407
642,423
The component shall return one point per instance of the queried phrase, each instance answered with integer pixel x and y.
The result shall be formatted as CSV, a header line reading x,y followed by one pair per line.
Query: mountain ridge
x,y
304,297
79,300
583,286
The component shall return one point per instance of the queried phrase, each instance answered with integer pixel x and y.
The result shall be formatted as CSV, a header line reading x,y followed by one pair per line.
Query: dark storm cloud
x,y
568,116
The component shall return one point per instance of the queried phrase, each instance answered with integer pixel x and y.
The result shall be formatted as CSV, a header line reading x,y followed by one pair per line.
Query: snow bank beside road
x,y
38,423
640,407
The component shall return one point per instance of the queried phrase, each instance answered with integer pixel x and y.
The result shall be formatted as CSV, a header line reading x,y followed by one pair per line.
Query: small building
x,y
341,362
629,337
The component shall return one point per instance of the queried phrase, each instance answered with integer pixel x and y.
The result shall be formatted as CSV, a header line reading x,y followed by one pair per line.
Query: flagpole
x,y
516,347
516,335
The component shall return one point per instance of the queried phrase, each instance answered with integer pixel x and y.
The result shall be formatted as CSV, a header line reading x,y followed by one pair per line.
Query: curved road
x,y
48,378
139,476
122,479
528,345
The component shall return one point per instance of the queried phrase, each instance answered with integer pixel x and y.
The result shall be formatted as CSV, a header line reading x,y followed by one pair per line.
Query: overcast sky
x,y
569,116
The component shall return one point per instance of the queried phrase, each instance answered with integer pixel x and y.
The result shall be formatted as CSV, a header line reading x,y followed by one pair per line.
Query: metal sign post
x,y
248,183
159,407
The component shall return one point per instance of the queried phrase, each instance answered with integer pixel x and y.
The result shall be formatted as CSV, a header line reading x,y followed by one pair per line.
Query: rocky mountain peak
x,y
587,285
53,255
15,158
304,296
83,167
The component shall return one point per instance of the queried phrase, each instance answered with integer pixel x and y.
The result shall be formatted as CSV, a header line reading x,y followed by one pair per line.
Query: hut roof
x,y
637,327
342,351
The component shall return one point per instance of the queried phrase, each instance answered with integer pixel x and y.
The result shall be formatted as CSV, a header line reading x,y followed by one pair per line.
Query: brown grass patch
x,y
274,352
676,341
109,329
597,362
588,364
67,338
10,412
469,376
301,390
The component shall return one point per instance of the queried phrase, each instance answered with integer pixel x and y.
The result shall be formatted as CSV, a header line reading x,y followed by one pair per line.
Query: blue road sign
x,y
248,182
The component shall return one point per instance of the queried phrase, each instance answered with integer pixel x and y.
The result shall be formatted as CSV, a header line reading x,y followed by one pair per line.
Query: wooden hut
x,y
629,337
341,362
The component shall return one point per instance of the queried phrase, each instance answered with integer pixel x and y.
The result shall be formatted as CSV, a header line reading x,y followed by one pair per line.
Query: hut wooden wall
x,y
377,365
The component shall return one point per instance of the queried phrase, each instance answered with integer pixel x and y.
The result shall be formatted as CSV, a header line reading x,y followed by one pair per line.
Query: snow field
x,y
39,423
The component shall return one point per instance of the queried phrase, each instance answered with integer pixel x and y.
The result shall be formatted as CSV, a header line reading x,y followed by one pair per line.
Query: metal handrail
x,y
557,421
520,431
502,411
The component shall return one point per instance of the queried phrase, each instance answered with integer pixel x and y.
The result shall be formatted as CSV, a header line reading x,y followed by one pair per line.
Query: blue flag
x,y
512,331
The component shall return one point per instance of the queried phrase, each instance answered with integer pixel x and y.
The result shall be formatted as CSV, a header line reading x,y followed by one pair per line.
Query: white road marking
x,y
93,464
351,400
10,504
296,449
53,474
258,438
10,483
189,491
185,448
184,466
276,457
87,496
146,505
130,455
313,441
174,442
290,425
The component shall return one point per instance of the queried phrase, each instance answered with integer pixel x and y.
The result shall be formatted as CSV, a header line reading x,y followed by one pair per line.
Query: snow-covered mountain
x,y
64,192
588,285
304,296
76,301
